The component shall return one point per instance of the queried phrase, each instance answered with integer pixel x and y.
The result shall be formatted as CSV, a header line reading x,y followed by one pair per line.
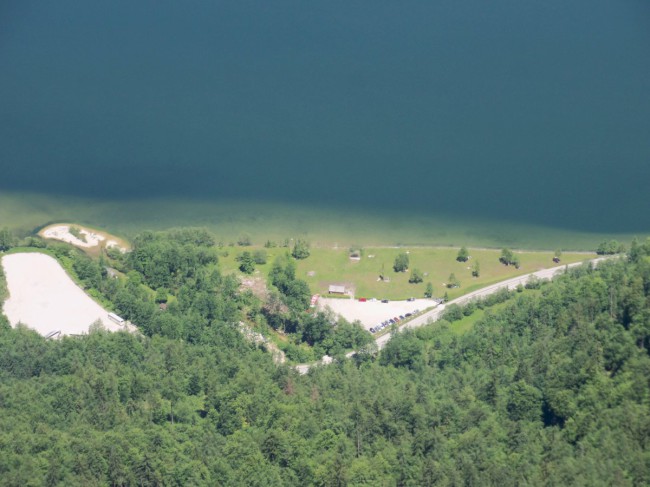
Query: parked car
x,y
384,300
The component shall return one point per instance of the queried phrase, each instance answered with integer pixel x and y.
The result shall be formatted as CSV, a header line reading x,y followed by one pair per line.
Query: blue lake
x,y
535,112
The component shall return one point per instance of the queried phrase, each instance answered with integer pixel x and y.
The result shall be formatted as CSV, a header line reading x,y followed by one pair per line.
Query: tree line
x,y
550,390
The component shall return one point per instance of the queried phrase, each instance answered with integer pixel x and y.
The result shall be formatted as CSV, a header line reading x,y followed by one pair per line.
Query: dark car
x,y
384,300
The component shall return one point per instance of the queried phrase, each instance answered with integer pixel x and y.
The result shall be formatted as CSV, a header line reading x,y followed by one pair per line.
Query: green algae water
x,y
490,115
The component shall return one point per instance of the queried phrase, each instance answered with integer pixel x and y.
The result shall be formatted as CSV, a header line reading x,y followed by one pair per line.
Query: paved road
x,y
436,313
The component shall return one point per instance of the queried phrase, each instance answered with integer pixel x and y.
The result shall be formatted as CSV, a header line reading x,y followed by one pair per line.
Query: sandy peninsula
x,y
89,238
43,297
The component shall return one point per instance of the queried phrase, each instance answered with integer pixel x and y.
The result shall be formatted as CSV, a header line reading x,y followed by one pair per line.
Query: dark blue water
x,y
520,111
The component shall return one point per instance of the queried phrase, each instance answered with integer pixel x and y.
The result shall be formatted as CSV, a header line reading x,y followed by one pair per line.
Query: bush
x,y
246,263
7,239
300,249
453,313
244,240
428,292
76,232
509,258
533,283
416,276
401,262
463,255
610,247
453,281
259,256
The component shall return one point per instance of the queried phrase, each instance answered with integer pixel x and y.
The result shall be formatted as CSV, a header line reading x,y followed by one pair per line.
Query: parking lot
x,y
372,313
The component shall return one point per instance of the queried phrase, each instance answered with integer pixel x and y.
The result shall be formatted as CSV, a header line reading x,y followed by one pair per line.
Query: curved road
x,y
435,313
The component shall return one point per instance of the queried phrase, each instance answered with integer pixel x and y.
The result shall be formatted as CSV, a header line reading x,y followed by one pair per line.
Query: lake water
x,y
535,112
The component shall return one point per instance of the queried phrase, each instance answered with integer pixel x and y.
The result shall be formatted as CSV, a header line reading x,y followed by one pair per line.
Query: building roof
x,y
337,289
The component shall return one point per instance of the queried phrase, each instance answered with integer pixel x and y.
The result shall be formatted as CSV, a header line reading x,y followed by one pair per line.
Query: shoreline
x,y
322,226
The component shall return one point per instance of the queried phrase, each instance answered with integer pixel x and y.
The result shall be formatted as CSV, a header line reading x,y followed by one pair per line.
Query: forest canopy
x,y
552,389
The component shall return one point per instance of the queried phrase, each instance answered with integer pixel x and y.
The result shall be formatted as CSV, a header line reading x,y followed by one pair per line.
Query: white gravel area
x,y
43,297
371,313
93,239
62,232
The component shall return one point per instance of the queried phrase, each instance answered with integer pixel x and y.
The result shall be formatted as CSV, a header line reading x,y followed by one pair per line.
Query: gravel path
x,y
436,313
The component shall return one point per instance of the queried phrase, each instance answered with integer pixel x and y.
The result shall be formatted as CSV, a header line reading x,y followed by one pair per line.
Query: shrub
x,y
401,262
416,276
300,249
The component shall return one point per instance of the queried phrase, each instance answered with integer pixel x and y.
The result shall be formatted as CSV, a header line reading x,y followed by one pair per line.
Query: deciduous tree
x,y
463,255
300,249
416,276
428,292
453,281
401,263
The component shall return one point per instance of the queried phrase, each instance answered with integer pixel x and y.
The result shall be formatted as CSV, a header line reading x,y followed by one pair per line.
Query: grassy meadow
x,y
327,266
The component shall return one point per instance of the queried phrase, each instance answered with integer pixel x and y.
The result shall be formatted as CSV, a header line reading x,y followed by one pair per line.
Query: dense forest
x,y
551,389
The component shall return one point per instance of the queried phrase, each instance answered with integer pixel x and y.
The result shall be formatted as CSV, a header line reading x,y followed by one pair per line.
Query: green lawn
x,y
467,322
330,231
333,266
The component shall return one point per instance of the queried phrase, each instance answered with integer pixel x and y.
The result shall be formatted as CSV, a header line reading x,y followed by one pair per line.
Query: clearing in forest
x,y
43,297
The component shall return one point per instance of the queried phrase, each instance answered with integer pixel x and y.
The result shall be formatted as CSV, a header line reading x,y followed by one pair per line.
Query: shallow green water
x,y
474,117
276,222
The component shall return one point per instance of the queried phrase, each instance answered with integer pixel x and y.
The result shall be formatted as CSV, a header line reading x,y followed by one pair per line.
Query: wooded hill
x,y
554,389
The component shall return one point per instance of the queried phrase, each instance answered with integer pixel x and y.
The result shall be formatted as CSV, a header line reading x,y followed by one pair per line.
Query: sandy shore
x,y
90,240
43,297
371,313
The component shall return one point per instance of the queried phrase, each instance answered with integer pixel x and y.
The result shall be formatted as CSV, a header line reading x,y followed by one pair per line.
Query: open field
x,y
333,266
323,226
43,297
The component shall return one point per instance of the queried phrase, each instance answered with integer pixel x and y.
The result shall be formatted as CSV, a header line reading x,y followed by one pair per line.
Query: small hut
x,y
336,289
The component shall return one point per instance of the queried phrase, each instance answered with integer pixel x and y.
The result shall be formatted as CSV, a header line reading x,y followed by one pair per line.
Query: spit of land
x,y
83,237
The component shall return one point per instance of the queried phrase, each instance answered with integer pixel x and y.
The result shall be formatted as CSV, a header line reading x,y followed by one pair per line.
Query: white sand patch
x,y
43,297
91,239
371,313
62,232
